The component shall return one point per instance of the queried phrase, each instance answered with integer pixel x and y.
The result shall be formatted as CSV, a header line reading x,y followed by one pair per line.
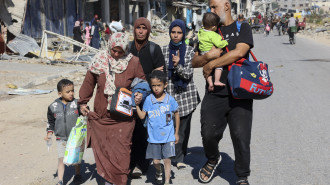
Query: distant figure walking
x,y
88,34
95,34
77,35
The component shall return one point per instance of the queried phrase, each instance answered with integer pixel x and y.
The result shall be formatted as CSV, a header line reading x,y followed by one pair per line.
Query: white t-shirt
x,y
292,22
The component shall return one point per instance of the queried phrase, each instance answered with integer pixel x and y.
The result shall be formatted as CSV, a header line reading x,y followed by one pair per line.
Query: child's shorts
x,y
160,150
61,145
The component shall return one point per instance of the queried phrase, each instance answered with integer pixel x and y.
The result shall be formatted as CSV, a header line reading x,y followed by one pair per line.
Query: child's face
x,y
67,93
157,87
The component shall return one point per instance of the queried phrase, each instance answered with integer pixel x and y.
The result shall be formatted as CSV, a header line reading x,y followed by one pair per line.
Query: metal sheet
x,y
23,44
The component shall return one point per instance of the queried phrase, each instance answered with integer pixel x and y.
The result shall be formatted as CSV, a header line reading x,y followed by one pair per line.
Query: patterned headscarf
x,y
146,23
103,62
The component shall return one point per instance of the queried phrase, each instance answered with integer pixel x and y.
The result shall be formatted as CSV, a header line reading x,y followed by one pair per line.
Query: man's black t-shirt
x,y
233,36
148,62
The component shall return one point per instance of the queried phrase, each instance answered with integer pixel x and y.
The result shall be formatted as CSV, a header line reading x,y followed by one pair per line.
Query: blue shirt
x,y
160,118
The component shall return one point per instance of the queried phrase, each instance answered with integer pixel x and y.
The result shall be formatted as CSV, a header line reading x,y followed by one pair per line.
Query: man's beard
x,y
223,17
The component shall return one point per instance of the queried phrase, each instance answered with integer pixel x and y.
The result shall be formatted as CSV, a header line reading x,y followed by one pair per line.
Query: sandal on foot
x,y
136,173
59,183
159,175
180,165
208,170
243,182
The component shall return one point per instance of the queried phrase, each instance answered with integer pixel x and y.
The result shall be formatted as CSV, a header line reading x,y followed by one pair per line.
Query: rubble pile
x,y
159,25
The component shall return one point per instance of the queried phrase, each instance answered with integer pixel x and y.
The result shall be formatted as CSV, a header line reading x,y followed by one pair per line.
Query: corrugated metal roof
x,y
23,44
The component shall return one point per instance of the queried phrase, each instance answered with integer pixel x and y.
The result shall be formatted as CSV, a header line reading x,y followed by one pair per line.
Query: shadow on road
x,y
286,43
196,159
87,171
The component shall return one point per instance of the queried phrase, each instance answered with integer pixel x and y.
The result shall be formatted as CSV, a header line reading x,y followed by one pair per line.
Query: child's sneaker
x,y
77,179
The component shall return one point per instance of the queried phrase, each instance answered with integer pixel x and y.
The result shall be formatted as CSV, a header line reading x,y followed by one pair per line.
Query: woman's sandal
x,y
59,183
208,170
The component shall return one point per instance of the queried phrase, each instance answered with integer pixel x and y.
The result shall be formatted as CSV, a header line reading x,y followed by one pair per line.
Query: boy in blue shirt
x,y
159,108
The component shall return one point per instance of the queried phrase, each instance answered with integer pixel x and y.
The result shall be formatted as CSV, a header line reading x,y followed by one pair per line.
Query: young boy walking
x,y
62,116
159,108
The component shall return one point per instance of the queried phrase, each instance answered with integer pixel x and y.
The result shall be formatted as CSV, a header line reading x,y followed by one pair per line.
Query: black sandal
x,y
159,175
208,170
243,182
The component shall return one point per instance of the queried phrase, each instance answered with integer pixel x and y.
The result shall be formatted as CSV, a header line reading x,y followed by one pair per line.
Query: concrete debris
x,y
159,25
87,58
12,57
21,91
320,30
23,44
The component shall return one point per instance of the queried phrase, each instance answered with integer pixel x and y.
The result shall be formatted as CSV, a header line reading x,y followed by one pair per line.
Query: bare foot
x,y
219,84
211,88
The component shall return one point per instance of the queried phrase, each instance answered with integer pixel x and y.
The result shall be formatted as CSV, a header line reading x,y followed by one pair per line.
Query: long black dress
x,y
77,33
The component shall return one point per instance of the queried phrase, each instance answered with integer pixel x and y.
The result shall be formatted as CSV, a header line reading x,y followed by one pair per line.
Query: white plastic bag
x,y
75,145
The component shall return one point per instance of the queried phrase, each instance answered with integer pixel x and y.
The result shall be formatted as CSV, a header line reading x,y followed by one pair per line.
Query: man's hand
x,y
207,70
213,53
176,59
138,98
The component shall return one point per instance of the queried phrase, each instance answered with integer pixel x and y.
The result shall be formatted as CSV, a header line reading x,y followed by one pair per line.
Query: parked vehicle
x,y
301,26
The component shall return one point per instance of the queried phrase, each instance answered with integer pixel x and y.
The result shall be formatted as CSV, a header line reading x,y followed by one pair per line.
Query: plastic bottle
x,y
49,143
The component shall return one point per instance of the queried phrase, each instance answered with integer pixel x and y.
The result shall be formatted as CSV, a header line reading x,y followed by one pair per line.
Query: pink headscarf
x,y
103,62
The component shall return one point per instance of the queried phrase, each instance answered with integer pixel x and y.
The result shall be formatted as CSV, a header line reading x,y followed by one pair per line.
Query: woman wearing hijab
x,y
109,135
181,85
77,35
151,58
95,42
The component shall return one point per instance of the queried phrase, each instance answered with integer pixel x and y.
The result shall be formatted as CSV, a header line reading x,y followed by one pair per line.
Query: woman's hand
x,y
84,110
138,98
161,68
176,59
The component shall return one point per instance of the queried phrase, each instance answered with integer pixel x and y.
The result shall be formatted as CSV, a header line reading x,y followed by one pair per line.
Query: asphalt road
x,y
290,135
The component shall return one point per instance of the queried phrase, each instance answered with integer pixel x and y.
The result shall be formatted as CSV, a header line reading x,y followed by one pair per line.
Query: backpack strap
x,y
152,48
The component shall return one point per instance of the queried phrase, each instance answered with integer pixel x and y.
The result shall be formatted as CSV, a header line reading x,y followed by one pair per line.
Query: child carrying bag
x,y
249,80
121,103
75,145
